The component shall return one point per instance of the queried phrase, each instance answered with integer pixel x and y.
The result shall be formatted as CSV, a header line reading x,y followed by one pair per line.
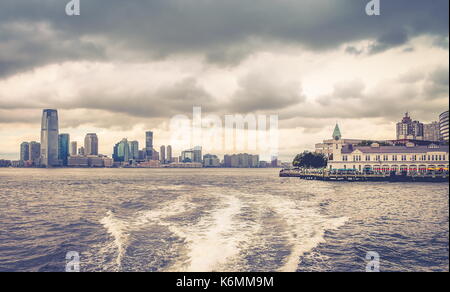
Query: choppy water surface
x,y
216,220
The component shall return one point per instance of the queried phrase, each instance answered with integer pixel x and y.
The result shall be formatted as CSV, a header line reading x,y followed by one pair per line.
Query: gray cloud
x,y
223,31
437,84
258,92
163,102
391,39
424,95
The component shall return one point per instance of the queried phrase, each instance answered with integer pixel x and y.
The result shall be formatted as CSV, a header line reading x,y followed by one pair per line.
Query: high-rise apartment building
x,y
73,148
243,160
210,160
409,129
162,156
91,144
134,150
63,148
431,132
49,138
25,151
169,154
35,152
192,155
81,151
443,127
149,144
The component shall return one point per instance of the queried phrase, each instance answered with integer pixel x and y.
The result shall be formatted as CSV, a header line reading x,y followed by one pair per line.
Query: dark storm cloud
x,y
223,31
389,40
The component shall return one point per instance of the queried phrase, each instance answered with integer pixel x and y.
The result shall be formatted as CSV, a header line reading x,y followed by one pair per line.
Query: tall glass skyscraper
x,y
64,140
134,149
122,151
49,138
149,144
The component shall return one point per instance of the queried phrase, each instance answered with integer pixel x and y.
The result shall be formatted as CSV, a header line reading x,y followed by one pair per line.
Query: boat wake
x,y
219,231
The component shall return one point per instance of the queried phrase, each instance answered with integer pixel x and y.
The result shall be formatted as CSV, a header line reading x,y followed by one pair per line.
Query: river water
x,y
217,220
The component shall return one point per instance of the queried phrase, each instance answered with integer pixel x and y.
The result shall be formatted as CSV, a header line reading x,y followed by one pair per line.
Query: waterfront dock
x,y
362,177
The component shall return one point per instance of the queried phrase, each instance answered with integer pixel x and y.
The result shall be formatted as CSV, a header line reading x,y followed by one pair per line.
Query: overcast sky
x,y
124,67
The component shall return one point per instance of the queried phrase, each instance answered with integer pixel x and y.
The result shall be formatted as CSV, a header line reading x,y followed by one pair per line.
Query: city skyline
x,y
363,71
91,140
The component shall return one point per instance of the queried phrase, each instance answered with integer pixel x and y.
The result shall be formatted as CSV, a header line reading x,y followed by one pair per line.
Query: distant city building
x,y
142,155
134,149
89,161
210,160
192,155
169,154
185,165
35,152
25,151
443,126
149,164
155,155
149,144
78,161
49,138
431,132
409,129
243,160
264,164
81,151
91,144
5,163
162,152
74,148
275,162
122,151
63,148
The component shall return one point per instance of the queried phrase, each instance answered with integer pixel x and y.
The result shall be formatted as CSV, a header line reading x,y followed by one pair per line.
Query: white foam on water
x,y
305,227
159,214
117,229
215,240
218,241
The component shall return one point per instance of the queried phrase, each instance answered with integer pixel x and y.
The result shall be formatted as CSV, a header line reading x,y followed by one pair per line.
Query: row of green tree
x,y
370,142
310,160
